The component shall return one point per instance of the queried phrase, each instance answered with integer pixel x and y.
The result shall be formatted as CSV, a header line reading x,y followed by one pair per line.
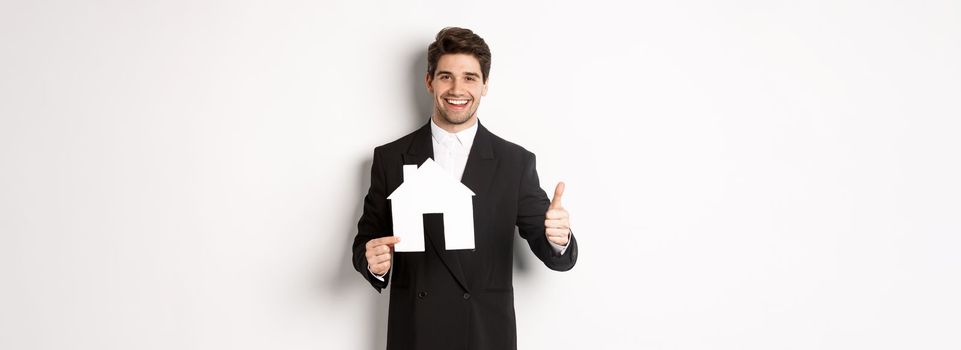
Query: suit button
x,y
422,295
466,296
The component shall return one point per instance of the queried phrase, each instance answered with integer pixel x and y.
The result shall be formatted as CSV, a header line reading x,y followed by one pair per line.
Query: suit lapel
x,y
481,163
421,148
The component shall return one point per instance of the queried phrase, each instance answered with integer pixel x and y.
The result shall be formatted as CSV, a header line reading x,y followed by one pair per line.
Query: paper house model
x,y
429,189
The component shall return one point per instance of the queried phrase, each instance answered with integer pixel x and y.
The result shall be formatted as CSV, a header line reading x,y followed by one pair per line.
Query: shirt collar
x,y
466,136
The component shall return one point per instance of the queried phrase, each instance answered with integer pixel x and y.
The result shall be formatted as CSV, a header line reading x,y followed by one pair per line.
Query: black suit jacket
x,y
459,299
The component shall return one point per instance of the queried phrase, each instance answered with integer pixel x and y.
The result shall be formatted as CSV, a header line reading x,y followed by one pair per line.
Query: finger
x,y
558,240
556,224
380,268
378,250
379,259
557,232
380,263
384,240
555,214
558,192
383,250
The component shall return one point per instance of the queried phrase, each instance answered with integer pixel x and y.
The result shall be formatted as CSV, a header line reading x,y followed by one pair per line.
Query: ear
x,y
484,93
427,80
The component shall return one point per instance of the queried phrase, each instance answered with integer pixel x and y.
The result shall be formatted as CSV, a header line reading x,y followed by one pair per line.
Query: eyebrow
x,y
451,73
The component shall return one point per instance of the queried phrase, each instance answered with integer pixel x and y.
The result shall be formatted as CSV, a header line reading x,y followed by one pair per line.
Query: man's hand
x,y
557,224
378,252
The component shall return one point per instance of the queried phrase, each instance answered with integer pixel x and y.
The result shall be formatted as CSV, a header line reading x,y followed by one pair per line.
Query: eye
x,y
471,78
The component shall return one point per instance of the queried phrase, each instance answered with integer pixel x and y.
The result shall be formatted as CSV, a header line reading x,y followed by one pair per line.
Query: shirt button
x,y
422,295
466,296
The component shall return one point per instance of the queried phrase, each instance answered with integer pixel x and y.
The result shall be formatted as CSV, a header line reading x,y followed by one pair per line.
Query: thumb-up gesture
x,y
556,222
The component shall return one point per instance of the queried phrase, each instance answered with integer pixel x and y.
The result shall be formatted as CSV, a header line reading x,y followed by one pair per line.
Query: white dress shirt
x,y
450,152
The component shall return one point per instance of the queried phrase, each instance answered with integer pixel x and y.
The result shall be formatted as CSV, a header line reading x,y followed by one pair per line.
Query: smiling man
x,y
457,87
459,299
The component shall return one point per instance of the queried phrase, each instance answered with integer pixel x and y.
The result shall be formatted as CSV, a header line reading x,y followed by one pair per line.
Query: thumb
x,y
558,192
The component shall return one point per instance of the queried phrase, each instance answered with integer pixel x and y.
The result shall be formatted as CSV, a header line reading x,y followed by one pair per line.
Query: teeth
x,y
457,102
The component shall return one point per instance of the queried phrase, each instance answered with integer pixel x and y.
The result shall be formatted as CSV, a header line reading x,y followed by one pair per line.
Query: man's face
x,y
457,87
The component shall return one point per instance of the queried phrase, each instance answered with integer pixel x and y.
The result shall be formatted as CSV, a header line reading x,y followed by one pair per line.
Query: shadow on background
x,y
422,103
346,275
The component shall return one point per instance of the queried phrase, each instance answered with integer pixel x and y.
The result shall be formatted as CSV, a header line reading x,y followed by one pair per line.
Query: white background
x,y
741,175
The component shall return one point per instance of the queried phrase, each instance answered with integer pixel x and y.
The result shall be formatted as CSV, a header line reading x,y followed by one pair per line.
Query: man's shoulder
x,y
399,145
507,148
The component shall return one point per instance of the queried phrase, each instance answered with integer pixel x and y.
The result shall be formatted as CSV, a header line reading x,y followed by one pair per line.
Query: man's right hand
x,y
379,251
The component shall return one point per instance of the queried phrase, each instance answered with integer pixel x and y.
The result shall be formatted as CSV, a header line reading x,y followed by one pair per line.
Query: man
x,y
459,299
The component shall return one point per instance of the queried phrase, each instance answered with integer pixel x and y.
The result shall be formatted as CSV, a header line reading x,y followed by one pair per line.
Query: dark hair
x,y
453,40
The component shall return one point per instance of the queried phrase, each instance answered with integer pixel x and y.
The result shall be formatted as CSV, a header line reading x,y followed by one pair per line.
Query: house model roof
x,y
429,181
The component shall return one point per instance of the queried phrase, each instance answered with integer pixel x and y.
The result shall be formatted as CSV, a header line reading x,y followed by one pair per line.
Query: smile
x,y
456,102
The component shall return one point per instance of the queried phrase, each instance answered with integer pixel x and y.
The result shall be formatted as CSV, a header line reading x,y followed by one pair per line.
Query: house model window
x,y
428,189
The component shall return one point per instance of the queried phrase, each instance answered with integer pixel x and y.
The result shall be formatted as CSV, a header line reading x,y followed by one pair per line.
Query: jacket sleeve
x,y
532,205
374,222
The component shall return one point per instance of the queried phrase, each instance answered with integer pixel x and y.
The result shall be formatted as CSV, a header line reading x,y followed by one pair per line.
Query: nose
x,y
456,86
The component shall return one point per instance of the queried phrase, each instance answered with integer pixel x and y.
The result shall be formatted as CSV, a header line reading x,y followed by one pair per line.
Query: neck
x,y
454,128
